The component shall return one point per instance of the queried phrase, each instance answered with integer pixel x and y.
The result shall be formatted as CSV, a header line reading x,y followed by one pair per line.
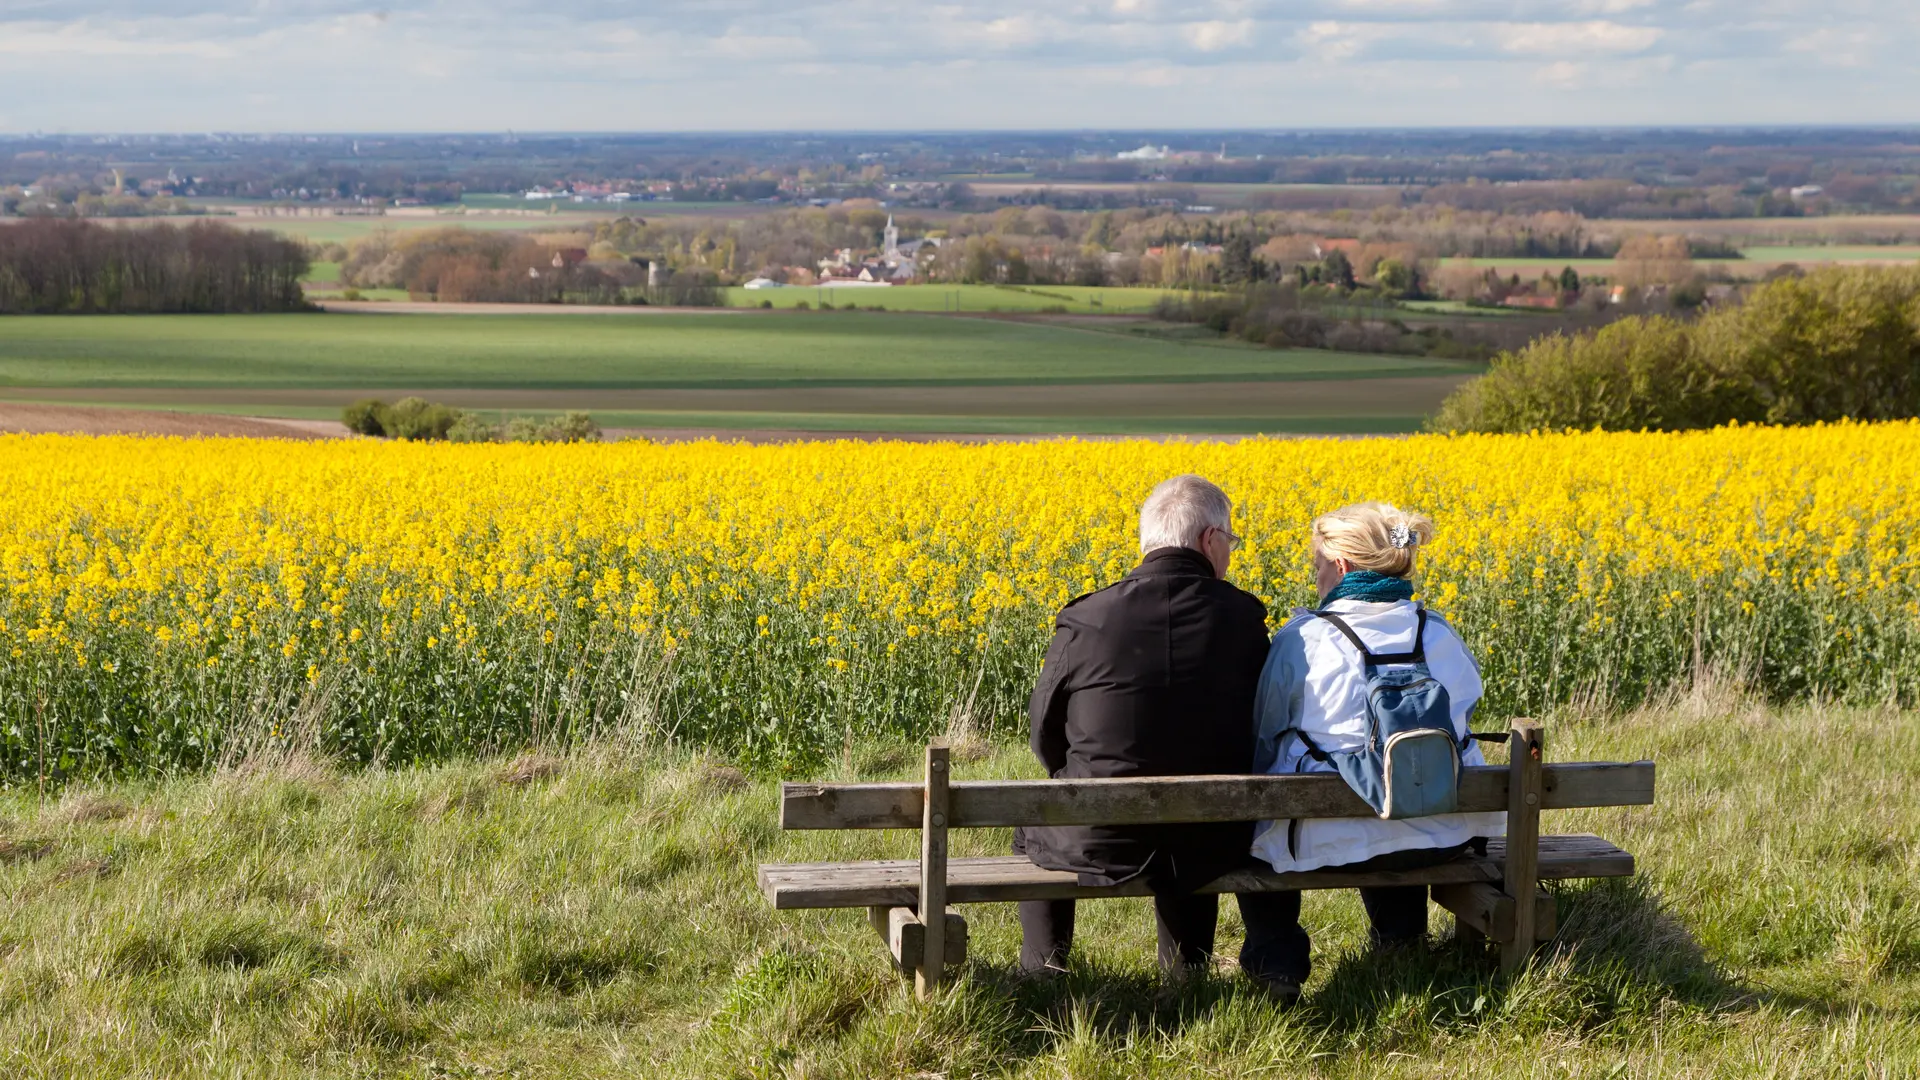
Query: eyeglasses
x,y
1233,542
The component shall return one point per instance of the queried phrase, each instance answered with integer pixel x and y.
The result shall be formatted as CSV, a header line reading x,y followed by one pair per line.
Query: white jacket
x,y
1314,681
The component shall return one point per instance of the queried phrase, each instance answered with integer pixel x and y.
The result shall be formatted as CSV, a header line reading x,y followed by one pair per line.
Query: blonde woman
x,y
1312,703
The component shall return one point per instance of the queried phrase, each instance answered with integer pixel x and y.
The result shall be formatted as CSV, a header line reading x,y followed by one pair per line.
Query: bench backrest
x,y
976,804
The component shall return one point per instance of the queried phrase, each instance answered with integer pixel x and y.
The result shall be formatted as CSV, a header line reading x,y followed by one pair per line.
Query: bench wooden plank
x,y
1168,799
896,883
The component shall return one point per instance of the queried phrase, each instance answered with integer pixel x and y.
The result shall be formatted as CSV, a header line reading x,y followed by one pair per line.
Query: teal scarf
x,y
1365,585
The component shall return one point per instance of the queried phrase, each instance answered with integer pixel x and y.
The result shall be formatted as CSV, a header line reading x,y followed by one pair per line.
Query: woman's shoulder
x,y
1298,620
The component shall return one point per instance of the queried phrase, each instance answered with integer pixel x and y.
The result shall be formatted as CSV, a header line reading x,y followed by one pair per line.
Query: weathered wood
x,y
932,968
895,883
905,937
1169,799
1483,909
1520,870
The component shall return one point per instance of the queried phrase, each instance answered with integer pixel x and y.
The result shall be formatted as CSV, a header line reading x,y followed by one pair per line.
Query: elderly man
x,y
1153,675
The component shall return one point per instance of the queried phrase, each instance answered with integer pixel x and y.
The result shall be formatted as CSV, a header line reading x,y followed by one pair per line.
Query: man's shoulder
x,y
1241,601
1134,589
1087,603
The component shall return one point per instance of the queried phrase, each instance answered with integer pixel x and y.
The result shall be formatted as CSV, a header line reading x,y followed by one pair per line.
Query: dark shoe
x,y
1386,946
1281,990
1185,974
1043,975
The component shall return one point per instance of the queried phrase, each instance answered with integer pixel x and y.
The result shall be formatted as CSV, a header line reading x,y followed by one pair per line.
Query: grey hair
x,y
1179,510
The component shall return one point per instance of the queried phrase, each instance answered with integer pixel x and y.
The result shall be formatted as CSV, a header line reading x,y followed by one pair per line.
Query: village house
x,y
896,264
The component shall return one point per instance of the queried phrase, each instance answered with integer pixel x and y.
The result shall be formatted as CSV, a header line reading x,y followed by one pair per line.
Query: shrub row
x,y
417,419
1837,343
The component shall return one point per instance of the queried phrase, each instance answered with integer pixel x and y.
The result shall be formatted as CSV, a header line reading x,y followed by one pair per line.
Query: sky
x,y
679,65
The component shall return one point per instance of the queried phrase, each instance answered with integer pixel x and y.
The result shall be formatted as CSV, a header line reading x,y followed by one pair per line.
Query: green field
x,y
621,351
1819,253
595,915
827,371
1076,299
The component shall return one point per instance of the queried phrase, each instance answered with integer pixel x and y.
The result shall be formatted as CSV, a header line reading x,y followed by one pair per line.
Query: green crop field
x,y
1819,253
1077,299
640,350
828,371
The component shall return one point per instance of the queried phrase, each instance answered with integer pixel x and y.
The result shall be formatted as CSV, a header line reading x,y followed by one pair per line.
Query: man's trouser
x,y
1278,947
1185,924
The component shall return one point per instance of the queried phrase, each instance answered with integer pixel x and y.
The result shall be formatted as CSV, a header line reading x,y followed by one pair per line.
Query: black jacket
x,y
1153,675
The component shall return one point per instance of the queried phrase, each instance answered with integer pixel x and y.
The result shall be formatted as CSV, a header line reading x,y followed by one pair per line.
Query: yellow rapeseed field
x,y
168,602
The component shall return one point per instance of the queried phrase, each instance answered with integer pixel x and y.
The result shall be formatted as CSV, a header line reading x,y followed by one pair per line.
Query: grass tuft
x,y
84,807
529,767
27,849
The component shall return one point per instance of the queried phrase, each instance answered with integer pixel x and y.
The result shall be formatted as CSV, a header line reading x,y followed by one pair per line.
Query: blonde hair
x,y
1364,534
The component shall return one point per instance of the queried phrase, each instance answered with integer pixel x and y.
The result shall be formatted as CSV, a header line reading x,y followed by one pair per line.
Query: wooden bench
x,y
1479,890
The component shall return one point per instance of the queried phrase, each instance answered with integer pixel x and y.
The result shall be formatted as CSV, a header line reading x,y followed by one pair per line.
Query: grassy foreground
x,y
595,915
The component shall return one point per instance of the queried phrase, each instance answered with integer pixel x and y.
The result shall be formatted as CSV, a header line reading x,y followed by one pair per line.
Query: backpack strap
x,y
1340,624
1416,655
1313,751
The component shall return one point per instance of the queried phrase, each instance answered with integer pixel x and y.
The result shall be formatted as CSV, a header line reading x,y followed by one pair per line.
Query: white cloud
x,y
1577,39
1562,74
1337,41
112,39
1836,48
1217,34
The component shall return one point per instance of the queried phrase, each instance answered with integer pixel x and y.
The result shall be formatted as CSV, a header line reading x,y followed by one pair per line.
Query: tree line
x,y
1838,343
75,267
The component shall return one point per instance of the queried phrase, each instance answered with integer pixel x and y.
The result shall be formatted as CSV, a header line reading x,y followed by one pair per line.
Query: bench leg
x,y
932,969
1522,871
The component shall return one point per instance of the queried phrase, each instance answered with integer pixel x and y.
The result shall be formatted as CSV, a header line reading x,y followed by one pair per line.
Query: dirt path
x,y
82,420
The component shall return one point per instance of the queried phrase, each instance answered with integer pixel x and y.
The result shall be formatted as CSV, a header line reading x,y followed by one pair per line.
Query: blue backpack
x,y
1410,764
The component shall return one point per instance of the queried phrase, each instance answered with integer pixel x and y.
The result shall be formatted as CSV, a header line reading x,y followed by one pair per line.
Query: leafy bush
x,y
363,417
417,418
1838,343
572,427
411,418
469,428
569,427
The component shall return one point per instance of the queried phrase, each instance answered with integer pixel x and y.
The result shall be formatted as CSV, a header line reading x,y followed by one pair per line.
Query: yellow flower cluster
x,y
1583,557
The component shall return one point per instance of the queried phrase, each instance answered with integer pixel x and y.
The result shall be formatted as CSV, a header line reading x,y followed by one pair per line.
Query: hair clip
x,y
1400,536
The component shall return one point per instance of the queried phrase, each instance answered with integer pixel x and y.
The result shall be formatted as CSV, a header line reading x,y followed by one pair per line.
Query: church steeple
x,y
892,238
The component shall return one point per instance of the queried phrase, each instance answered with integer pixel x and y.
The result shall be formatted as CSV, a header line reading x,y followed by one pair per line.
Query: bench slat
x,y
1168,799
896,883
